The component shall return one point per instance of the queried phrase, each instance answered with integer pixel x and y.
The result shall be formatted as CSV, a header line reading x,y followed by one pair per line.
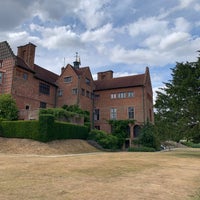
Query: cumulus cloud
x,y
91,13
102,34
147,26
57,37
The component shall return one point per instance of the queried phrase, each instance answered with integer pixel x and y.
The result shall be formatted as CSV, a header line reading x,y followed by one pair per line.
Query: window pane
x,y
68,79
1,78
113,113
96,114
44,88
130,112
43,105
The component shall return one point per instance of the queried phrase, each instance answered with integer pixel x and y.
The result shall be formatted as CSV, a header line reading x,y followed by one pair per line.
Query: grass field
x,y
101,176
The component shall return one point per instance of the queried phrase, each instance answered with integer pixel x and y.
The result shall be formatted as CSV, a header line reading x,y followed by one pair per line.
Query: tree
x,y
8,108
177,105
148,138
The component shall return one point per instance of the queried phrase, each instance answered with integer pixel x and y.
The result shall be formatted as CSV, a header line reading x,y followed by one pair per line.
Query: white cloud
x,y
185,3
173,41
57,37
102,34
91,14
147,26
197,7
182,25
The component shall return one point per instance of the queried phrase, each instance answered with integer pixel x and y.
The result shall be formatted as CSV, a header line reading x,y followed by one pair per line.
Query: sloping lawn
x,y
101,176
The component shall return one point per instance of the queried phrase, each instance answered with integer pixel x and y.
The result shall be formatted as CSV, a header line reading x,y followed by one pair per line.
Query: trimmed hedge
x,y
141,149
20,129
44,130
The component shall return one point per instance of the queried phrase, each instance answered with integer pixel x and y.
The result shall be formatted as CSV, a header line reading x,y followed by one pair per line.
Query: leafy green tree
x,y
177,105
148,137
8,107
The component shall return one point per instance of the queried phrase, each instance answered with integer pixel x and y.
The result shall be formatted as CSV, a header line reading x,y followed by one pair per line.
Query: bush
x,y
141,149
105,140
8,108
148,138
191,144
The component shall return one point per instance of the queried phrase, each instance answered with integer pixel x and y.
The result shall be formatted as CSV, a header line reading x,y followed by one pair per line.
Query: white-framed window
x,y
131,112
68,79
121,95
113,113
113,96
130,94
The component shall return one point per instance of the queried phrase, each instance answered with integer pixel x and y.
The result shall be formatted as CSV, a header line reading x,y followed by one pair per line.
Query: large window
x,y
113,113
122,95
44,88
96,114
131,112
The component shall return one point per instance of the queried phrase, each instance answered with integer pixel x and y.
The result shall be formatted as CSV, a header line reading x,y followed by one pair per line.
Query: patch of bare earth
x,y
115,176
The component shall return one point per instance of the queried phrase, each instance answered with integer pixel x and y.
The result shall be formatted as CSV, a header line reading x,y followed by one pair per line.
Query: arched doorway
x,y
137,130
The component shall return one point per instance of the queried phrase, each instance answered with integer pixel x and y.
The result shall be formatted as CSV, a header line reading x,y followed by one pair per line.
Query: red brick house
x,y
34,87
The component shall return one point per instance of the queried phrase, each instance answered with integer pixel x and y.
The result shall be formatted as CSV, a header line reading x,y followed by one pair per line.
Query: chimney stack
x,y
27,53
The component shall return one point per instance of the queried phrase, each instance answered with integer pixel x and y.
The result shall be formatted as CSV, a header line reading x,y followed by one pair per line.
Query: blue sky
x,y
124,36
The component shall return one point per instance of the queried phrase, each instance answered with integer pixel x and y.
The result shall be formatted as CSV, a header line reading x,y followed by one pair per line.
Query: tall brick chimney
x,y
105,75
27,53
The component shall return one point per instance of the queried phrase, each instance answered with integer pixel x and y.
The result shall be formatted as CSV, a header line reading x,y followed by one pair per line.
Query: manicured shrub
x,y
141,149
63,130
20,129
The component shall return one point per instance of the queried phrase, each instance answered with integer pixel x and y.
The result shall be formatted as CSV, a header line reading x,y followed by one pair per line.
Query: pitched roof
x,y
45,75
5,50
121,82
20,63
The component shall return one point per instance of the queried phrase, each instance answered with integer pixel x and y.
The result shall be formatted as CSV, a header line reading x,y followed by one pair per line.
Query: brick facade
x,y
34,87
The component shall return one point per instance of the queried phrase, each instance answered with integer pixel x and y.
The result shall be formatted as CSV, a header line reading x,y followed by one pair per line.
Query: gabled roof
x,y
121,82
45,75
5,51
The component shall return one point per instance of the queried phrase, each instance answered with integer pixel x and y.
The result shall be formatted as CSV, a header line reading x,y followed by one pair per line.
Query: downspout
x,y
55,98
144,117
78,91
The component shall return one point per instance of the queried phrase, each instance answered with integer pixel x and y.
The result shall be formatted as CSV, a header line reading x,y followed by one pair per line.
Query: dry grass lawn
x,y
101,176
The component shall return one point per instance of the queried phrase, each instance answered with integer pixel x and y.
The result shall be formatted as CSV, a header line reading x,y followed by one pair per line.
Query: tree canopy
x,y
178,103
